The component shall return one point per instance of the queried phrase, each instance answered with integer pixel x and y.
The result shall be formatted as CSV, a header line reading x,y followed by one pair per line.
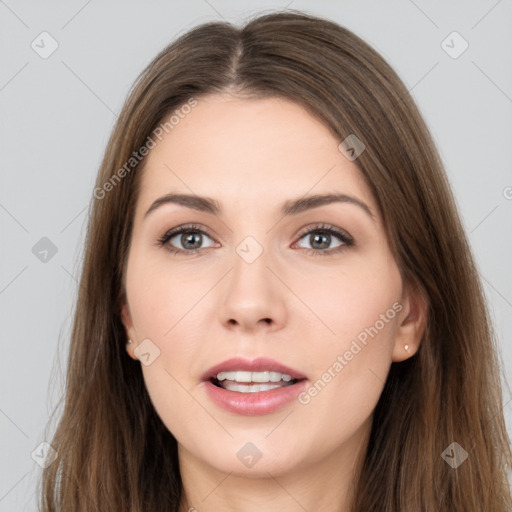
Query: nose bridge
x,y
252,294
250,249
250,270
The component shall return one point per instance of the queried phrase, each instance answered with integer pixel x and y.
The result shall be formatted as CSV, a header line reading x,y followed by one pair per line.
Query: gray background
x,y
57,114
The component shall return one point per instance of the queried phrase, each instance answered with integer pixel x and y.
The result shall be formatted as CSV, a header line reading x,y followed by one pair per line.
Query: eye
x,y
190,239
322,237
185,239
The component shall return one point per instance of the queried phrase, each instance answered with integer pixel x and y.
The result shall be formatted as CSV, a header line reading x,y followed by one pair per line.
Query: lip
x,y
256,365
253,404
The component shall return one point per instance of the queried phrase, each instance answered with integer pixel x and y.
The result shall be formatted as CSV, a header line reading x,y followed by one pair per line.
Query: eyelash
x,y
345,238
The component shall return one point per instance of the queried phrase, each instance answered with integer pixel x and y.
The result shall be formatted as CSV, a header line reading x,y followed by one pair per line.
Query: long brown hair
x,y
114,453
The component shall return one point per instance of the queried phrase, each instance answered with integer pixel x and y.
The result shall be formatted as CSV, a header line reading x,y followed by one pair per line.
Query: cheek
x,y
349,371
163,301
356,318
165,314
168,308
344,305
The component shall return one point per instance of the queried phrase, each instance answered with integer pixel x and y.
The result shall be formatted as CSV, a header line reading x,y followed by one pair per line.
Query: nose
x,y
252,298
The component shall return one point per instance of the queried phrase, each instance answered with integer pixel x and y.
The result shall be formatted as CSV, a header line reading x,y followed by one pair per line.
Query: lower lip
x,y
254,404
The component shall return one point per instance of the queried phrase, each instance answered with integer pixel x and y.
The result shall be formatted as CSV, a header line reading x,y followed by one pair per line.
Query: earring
x,y
129,341
406,348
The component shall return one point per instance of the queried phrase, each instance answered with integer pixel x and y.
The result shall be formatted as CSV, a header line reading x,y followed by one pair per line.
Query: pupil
x,y
317,239
194,239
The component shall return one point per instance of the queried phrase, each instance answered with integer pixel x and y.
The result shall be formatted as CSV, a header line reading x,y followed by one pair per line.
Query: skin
x,y
252,155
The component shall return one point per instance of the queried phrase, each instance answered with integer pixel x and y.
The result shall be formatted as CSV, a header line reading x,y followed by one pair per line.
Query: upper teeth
x,y
240,376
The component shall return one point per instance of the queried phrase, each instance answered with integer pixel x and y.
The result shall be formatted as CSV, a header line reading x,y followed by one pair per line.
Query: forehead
x,y
249,151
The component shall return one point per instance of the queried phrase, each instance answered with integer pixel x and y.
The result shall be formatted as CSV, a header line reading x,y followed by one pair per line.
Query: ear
x,y
411,323
126,318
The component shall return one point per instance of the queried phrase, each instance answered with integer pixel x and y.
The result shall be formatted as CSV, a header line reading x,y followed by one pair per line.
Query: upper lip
x,y
259,364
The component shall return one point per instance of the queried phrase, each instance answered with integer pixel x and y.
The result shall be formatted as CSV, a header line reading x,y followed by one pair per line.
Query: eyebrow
x,y
290,207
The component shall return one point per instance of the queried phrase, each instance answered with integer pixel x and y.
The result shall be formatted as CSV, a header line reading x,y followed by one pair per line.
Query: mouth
x,y
252,382
253,387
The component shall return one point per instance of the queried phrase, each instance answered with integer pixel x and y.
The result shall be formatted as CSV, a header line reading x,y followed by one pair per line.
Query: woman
x,y
275,246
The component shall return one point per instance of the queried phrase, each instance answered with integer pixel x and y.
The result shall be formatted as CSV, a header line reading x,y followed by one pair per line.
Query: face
x,y
306,294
